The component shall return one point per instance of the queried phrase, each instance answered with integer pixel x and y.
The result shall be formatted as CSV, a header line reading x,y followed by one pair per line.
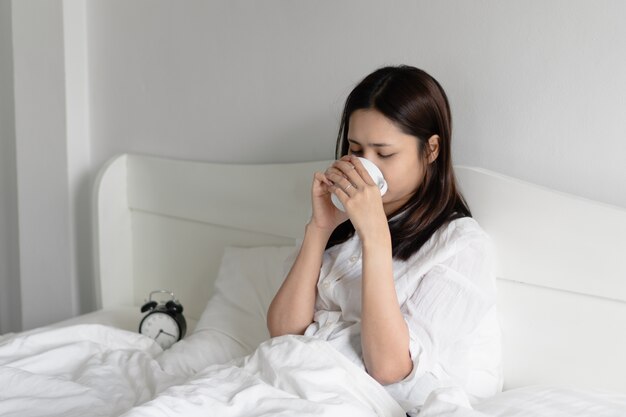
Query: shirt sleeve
x,y
449,303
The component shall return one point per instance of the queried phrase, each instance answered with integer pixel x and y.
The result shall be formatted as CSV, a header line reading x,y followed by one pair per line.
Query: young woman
x,y
402,284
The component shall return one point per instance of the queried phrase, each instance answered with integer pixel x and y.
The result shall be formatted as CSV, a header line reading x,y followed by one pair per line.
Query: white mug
x,y
376,175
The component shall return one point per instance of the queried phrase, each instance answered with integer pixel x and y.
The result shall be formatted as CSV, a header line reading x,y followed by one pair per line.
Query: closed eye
x,y
360,153
382,156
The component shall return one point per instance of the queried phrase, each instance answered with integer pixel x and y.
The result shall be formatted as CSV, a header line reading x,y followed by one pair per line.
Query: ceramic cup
x,y
376,175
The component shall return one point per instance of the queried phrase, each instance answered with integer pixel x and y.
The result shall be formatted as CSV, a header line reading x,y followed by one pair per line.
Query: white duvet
x,y
84,370
96,370
295,375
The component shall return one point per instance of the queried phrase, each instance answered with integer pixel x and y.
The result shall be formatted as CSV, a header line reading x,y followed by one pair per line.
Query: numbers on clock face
x,y
162,328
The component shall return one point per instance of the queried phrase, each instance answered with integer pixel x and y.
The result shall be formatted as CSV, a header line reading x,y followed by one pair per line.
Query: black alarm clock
x,y
164,322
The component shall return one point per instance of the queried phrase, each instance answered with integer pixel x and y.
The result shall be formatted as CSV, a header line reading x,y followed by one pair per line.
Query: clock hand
x,y
169,334
164,332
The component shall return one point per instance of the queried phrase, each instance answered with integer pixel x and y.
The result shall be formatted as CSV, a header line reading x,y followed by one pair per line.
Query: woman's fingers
x,y
341,182
346,167
348,175
360,170
347,187
352,168
319,176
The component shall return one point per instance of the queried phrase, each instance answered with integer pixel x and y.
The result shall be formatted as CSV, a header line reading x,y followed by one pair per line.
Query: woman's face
x,y
375,137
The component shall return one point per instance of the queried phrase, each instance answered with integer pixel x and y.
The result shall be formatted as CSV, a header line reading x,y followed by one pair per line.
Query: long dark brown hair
x,y
415,102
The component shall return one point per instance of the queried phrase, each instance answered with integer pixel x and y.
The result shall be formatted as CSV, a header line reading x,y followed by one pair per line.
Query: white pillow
x,y
233,323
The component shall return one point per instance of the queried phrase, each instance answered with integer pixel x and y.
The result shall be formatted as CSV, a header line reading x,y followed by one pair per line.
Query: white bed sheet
x,y
529,401
554,401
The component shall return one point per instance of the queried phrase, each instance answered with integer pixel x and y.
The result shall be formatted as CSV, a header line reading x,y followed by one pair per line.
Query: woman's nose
x,y
369,155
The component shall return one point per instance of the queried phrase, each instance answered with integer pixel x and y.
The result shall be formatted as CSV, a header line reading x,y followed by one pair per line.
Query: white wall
x,y
46,272
537,89
47,283
10,308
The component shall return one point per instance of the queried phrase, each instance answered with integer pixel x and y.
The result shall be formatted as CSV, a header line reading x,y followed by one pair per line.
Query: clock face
x,y
161,327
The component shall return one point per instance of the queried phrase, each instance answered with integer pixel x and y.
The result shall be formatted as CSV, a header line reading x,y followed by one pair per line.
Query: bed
x,y
220,237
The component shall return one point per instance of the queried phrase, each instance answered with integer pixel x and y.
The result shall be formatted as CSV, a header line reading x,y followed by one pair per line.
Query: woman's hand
x,y
325,216
360,196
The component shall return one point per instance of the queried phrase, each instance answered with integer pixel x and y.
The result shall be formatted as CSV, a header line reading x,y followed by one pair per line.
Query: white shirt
x,y
447,296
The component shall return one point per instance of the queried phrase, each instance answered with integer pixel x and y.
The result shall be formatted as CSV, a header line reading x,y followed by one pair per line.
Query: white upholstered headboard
x,y
561,281
163,223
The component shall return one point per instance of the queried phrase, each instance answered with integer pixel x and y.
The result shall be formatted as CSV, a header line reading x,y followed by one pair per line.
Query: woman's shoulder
x,y
458,230
453,238
463,228
465,233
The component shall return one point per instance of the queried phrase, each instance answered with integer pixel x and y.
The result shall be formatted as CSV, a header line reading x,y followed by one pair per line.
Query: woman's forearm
x,y
385,336
291,310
